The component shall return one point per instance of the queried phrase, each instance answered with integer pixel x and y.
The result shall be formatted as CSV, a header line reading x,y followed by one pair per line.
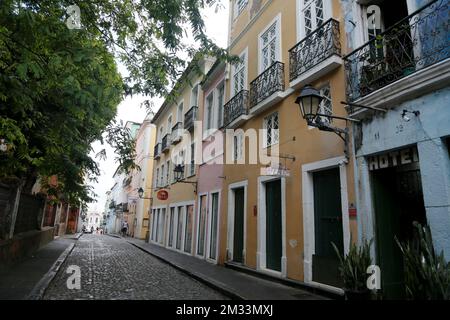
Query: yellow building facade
x,y
280,218
178,142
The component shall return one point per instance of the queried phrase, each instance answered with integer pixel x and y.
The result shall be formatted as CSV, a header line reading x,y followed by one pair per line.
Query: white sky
x,y
216,24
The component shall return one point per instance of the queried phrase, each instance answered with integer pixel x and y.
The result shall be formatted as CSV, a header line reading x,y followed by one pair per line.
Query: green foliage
x,y
59,87
353,266
427,275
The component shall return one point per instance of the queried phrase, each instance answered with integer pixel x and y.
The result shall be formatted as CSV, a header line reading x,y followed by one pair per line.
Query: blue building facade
x,y
399,63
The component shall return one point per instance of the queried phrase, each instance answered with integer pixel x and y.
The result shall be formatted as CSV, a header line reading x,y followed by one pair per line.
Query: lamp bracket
x,y
350,104
193,183
337,117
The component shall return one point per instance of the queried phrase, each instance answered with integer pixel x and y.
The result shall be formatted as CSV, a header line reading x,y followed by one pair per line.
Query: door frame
x,y
154,214
184,205
208,226
308,212
197,223
261,235
230,224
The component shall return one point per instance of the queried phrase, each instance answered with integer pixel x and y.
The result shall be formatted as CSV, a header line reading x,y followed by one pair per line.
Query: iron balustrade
x,y
315,48
165,142
237,106
157,150
190,117
415,42
267,83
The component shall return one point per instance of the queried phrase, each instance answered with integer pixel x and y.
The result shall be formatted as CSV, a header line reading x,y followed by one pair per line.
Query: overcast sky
x,y
129,110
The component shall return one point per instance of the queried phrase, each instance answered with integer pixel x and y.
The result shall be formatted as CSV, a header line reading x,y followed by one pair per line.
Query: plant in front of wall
x,y
427,274
353,269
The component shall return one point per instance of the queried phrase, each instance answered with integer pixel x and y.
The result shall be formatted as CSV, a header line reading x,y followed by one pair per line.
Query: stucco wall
x,y
389,131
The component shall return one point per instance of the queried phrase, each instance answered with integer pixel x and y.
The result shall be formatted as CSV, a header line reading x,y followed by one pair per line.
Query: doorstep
x,y
286,281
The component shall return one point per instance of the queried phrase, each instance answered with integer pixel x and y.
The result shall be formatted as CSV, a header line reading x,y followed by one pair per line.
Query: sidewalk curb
x,y
224,289
39,289
287,282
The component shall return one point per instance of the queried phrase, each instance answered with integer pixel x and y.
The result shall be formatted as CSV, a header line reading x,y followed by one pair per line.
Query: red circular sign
x,y
162,195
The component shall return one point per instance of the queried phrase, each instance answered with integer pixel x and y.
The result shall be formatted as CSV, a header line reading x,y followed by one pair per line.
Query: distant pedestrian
x,y
124,228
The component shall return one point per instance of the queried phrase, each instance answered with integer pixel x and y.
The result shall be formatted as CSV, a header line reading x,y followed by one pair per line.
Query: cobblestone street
x,y
111,268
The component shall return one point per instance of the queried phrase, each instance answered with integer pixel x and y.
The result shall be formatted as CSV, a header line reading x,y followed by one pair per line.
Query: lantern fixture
x,y
309,102
178,172
141,194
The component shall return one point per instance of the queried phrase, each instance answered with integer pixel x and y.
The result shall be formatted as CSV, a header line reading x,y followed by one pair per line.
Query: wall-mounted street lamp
x,y
178,172
141,194
309,102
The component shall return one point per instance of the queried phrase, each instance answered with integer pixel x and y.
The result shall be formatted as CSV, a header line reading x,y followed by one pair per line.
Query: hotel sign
x,y
393,159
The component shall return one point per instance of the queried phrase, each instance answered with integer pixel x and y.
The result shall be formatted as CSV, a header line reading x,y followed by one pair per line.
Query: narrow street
x,y
111,268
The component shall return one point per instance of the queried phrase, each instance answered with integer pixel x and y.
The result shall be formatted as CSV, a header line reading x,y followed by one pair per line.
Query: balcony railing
x,y
415,42
318,46
267,83
190,117
157,151
177,132
165,143
236,107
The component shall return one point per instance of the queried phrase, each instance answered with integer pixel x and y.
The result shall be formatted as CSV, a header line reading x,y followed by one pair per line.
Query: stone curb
x,y
221,287
39,289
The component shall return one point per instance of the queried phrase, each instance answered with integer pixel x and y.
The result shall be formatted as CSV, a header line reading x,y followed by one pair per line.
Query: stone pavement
x,y
18,281
111,268
236,284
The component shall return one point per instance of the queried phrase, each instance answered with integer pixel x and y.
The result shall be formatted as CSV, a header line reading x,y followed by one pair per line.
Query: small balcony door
x,y
312,14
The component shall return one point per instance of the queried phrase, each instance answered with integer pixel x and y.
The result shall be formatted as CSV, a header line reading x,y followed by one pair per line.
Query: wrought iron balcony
x,y
236,107
177,133
318,46
267,83
190,117
415,42
165,143
157,151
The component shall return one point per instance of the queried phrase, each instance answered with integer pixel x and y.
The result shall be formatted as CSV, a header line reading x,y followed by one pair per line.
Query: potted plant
x,y
353,269
427,274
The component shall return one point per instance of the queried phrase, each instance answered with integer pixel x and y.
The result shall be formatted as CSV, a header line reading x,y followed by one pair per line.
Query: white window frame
x,y
327,14
168,173
170,124
157,178
216,101
192,166
180,117
195,103
210,113
163,173
237,10
278,42
265,142
238,145
245,68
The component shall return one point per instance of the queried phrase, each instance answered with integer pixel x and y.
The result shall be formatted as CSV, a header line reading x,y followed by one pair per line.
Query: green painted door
x,y
398,201
238,237
273,225
327,226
